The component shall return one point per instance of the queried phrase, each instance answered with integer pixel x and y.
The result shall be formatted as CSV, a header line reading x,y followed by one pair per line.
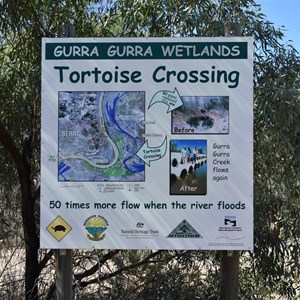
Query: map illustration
x,y
99,136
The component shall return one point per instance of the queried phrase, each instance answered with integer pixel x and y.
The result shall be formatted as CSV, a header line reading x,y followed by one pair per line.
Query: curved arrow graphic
x,y
148,154
172,99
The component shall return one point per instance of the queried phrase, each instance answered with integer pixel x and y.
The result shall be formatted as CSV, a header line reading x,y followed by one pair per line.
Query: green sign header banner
x,y
146,50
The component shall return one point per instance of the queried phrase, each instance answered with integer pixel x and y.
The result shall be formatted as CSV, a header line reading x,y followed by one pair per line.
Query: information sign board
x,y
147,143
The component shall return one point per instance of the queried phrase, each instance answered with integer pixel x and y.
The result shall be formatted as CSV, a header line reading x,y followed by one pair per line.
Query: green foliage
x,y
277,186
273,268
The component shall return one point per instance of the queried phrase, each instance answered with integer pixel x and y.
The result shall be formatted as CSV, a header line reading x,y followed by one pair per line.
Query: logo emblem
x,y
184,230
95,226
230,221
59,228
230,224
139,225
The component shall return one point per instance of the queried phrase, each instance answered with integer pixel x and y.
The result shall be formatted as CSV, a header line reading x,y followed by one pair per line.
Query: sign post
x,y
64,257
64,274
147,143
230,259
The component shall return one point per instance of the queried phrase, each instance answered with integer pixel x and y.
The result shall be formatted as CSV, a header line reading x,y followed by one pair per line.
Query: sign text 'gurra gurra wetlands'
x,y
147,143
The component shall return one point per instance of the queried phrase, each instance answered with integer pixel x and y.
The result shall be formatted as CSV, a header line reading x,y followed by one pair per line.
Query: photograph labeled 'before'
x,y
188,167
201,115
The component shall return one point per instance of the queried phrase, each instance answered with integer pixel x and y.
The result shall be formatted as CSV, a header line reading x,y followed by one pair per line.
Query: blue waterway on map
x,y
62,168
132,163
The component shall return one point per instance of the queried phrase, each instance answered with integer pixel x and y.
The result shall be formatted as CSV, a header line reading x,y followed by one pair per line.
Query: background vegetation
x,y
271,272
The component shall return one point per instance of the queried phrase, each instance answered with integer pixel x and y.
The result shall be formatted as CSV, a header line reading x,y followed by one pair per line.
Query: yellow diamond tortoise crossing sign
x,y
59,228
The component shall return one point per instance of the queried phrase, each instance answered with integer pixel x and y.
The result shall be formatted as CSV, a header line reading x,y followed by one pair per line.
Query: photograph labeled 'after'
x,y
188,167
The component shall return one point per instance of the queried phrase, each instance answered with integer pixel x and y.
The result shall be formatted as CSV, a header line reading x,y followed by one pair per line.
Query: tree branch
x,y
46,258
96,267
147,260
8,143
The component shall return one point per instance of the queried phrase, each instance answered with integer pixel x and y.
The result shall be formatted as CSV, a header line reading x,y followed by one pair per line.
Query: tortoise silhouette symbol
x,y
59,228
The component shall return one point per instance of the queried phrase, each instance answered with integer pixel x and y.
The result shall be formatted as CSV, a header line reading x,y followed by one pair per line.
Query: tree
x,y
276,169
275,262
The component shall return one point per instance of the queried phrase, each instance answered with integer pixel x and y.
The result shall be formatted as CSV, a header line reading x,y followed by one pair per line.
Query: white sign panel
x,y
147,143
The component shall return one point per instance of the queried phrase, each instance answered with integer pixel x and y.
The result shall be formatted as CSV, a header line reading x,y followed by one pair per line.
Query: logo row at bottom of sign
x,y
95,229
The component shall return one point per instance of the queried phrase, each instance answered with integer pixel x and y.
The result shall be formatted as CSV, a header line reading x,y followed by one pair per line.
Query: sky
x,y
200,144
284,12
